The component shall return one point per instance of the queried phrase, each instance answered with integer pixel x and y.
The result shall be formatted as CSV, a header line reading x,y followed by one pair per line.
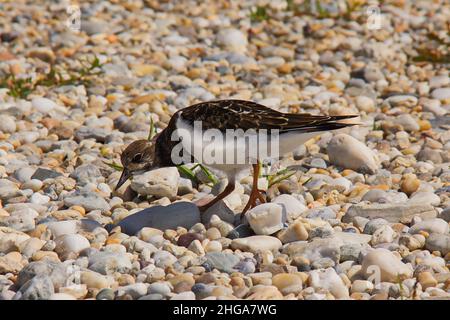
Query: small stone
x,y
186,239
257,244
38,288
384,234
441,93
264,292
59,228
430,226
161,288
361,286
438,242
8,124
105,294
410,184
266,218
187,295
88,201
44,105
179,214
295,232
427,280
56,271
222,261
373,225
385,264
394,212
135,290
329,280
233,40
287,283
407,122
294,208
107,263
347,152
160,182
43,174
70,243
11,263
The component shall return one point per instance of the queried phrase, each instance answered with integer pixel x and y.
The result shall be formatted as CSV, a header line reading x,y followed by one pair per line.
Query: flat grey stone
x,y
179,214
42,174
395,212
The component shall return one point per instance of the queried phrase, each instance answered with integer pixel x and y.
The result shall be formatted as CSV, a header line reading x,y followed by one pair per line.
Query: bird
x,y
190,130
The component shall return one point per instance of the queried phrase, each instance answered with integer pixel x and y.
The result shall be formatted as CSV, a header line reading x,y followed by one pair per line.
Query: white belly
x,y
235,150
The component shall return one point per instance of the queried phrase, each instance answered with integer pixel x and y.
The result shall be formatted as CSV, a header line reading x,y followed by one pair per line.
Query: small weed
x,y
259,14
351,6
152,132
18,87
189,173
279,176
114,165
21,88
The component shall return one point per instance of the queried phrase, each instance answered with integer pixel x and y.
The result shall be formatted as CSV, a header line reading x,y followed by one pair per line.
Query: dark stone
x,y
185,239
241,231
105,294
42,174
180,214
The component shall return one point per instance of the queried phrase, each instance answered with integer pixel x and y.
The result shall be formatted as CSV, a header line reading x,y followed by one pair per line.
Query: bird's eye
x,y
137,157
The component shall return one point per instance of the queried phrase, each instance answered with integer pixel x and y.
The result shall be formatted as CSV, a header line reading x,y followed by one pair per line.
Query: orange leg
x,y
228,189
255,194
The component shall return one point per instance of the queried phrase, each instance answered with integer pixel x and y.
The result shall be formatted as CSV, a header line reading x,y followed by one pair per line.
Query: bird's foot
x,y
204,204
252,201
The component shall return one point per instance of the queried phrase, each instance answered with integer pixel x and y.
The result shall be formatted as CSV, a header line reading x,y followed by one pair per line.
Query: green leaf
x,y
114,165
152,130
209,175
189,173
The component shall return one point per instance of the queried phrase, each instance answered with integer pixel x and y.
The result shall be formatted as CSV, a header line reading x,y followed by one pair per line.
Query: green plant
x,y
259,14
114,165
152,132
189,173
22,87
278,176
18,87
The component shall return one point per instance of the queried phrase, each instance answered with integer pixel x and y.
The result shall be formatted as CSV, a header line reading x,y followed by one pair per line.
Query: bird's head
x,y
138,157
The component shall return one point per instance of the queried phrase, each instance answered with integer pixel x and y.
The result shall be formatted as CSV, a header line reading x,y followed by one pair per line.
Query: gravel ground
x,y
365,215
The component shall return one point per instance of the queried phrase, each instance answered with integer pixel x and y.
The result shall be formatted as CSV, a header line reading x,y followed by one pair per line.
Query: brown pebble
x,y
185,239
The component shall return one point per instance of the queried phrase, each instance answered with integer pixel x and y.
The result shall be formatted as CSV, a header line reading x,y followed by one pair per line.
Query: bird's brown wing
x,y
235,114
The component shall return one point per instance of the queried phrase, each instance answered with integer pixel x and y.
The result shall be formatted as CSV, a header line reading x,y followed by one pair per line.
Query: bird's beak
x,y
123,178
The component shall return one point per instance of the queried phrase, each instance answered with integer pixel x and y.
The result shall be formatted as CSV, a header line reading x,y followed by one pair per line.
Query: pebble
x,y
257,243
107,263
266,219
438,242
430,226
385,264
221,261
294,207
160,183
347,152
38,288
441,94
69,243
384,234
329,280
288,283
180,214
233,40
391,212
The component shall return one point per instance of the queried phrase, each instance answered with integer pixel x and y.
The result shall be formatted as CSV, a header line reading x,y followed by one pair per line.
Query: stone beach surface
x,y
365,216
